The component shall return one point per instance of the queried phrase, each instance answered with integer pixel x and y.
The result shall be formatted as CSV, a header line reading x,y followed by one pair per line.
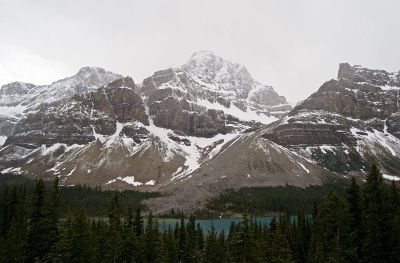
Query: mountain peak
x,y
86,71
375,77
203,55
16,87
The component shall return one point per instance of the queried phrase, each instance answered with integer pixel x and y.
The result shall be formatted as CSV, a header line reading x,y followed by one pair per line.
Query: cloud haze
x,y
293,45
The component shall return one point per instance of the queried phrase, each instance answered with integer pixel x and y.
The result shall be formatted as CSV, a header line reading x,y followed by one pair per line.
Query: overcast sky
x,y
294,46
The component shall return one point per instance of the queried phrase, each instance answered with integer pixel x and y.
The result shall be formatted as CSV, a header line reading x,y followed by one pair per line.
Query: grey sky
x,y
292,45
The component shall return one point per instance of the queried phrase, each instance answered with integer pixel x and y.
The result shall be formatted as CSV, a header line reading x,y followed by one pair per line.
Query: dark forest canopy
x,y
362,225
255,200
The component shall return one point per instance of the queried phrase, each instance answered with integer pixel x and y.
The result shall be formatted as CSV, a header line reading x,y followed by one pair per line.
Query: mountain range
x,y
191,131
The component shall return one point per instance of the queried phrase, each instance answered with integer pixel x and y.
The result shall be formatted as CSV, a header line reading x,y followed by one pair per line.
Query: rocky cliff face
x,y
19,99
193,130
348,123
189,131
176,118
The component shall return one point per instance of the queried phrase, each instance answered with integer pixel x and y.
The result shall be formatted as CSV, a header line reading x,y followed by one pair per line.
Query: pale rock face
x,y
218,73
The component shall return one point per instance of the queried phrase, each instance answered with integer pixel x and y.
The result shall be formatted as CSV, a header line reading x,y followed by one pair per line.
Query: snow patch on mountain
x,y
373,139
233,110
12,111
2,140
128,179
391,177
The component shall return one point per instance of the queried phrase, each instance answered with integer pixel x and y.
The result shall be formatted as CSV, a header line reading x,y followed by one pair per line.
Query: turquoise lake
x,y
220,225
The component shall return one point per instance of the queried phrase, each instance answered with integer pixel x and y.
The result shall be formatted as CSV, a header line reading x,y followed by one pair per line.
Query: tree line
x,y
361,226
265,200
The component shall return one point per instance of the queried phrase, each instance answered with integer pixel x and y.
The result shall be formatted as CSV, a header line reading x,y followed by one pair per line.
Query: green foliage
x,y
362,224
94,200
261,200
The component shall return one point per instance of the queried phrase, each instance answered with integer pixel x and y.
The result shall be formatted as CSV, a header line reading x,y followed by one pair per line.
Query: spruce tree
x,y
181,239
114,238
152,248
51,216
355,222
212,253
74,245
330,228
37,242
279,248
374,248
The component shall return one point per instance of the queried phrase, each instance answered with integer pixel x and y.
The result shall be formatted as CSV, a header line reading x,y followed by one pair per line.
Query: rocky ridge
x,y
348,123
107,131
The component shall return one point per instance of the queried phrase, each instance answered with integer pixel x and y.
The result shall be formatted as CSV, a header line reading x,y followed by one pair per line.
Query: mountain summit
x,y
348,123
193,130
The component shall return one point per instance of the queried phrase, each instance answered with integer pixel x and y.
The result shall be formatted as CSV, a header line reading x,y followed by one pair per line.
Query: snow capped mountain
x,y
188,131
213,83
31,96
215,73
17,99
348,123
87,78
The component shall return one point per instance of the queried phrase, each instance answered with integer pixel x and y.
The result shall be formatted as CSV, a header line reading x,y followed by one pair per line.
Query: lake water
x,y
219,224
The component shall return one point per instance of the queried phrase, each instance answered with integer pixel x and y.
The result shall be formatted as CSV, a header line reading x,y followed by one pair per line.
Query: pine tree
x,y
51,217
279,248
212,253
100,230
114,238
170,246
394,224
330,228
374,248
191,253
243,247
17,235
301,238
152,244
128,237
138,223
355,223
181,240
37,242
74,244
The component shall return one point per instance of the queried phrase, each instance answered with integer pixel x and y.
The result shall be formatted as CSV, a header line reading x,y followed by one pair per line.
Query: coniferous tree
x,y
279,248
181,239
152,244
100,232
129,237
114,238
74,244
330,229
301,238
374,245
212,253
355,222
138,223
191,253
15,237
394,224
51,216
37,242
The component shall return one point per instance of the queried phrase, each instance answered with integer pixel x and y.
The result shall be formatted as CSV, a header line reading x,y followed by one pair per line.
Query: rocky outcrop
x,y
79,120
348,123
16,88
100,129
266,95
374,77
